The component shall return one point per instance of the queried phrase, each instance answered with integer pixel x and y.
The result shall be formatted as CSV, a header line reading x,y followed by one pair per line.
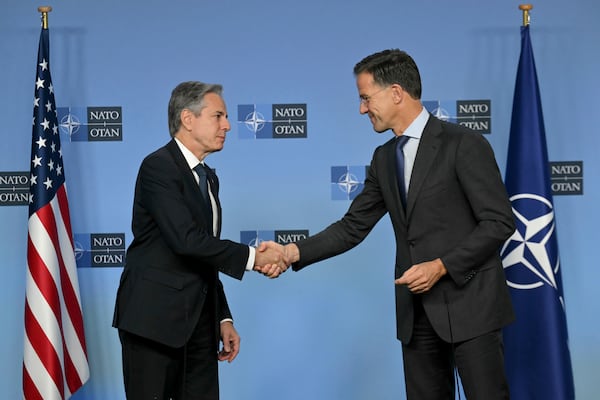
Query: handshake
x,y
273,259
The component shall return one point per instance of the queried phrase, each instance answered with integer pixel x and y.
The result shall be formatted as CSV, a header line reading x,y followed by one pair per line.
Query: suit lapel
x,y
190,187
428,148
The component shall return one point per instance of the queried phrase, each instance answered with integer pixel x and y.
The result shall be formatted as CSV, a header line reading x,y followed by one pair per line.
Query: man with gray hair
x,y
171,310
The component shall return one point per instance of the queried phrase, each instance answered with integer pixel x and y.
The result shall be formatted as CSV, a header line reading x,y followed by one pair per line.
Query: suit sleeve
x,y
364,212
223,311
171,204
482,185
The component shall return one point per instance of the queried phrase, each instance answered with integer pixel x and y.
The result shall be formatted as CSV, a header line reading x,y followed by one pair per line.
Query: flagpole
x,y
525,8
44,10
537,356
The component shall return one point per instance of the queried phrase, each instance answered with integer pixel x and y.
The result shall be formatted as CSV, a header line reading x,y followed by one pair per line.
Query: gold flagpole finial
x,y
44,10
525,8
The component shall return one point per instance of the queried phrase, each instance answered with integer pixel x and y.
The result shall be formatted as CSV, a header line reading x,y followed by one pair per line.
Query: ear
x,y
186,119
397,93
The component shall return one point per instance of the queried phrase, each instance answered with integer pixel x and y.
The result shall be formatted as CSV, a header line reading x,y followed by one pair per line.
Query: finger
x,y
270,269
275,273
403,280
262,247
223,355
226,346
235,351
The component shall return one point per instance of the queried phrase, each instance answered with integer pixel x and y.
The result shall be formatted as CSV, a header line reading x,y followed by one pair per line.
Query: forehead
x,y
365,82
214,103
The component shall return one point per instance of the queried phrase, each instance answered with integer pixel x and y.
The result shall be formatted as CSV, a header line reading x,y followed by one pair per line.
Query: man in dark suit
x,y
450,214
171,309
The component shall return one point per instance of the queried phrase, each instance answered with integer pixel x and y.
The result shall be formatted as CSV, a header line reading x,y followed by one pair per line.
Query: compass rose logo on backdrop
x,y
91,124
474,114
255,122
272,121
347,181
70,124
530,255
255,238
99,250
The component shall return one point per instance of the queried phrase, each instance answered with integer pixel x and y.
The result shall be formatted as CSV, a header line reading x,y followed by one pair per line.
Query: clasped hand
x,y
273,259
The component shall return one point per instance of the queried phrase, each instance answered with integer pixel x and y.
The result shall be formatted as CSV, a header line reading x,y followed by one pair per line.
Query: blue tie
x,y
401,141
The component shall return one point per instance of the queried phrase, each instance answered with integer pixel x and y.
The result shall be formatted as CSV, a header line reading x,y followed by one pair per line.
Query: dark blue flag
x,y
538,362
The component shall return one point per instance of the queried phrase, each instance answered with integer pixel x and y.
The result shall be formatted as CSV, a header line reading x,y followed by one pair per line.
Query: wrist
x,y
292,252
441,267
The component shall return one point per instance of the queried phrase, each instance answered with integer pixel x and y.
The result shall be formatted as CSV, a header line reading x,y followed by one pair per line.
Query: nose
x,y
363,108
226,125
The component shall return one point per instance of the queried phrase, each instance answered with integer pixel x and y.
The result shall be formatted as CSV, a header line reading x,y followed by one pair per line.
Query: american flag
x,y
55,358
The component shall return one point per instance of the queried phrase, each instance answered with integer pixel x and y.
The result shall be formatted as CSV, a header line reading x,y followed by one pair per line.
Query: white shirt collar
x,y
415,129
188,155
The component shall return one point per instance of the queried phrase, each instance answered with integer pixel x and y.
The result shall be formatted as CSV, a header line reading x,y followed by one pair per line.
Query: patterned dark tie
x,y
401,141
207,179
213,181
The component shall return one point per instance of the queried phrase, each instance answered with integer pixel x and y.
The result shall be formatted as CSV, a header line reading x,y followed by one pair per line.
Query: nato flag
x,y
538,363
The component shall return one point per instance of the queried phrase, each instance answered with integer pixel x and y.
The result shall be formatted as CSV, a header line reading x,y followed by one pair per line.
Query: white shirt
x,y
414,133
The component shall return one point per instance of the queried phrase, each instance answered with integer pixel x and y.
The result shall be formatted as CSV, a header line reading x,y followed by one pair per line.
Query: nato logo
x,y
272,121
474,114
566,177
91,124
14,188
100,250
255,238
347,181
531,251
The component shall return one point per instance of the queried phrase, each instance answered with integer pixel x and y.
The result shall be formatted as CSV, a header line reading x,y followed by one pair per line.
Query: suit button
x,y
411,243
470,275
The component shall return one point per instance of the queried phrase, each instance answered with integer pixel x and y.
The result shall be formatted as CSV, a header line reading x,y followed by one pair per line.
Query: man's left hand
x,y
420,278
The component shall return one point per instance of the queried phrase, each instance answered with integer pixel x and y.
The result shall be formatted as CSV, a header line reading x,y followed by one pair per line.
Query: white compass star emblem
x,y
255,242
441,113
348,183
255,121
531,249
79,250
70,123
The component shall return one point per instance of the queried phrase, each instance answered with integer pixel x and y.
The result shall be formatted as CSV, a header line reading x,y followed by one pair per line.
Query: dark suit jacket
x,y
457,210
173,260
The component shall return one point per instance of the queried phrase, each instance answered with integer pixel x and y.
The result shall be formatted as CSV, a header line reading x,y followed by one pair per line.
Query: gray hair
x,y
188,95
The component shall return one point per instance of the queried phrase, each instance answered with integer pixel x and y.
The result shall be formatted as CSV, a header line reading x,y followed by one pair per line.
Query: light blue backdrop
x,y
327,332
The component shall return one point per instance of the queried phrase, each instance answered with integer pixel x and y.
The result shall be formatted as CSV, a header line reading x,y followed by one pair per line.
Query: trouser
x,y
153,371
429,364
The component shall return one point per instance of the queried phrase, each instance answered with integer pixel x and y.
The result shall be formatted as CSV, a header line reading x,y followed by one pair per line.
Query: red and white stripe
x,y
55,358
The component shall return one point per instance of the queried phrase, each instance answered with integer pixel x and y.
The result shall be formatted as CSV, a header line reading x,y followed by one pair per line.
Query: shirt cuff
x,y
251,258
227,320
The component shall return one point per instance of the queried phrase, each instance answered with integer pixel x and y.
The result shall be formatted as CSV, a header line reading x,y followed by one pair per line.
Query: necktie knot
x,y
401,141
206,174
207,180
